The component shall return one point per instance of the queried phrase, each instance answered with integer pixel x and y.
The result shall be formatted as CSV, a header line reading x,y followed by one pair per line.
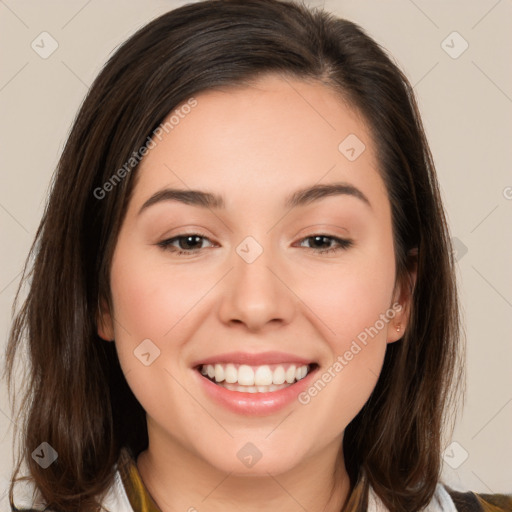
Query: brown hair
x,y
76,397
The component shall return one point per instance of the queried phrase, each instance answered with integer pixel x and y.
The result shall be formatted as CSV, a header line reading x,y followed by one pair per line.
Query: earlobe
x,y
398,334
395,331
104,322
404,294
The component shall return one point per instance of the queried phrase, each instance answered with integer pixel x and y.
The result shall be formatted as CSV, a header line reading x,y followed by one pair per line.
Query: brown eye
x,y
326,240
188,243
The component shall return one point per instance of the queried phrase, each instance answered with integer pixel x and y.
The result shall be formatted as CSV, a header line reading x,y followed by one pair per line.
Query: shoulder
x,y
467,501
446,499
116,500
28,499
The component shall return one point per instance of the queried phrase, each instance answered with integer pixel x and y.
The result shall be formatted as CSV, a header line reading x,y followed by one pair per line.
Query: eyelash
x,y
343,244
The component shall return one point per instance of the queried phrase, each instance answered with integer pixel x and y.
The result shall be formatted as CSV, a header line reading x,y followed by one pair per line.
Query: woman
x,y
243,293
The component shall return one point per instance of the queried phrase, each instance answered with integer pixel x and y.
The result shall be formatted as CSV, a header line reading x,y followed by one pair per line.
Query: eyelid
x,y
320,228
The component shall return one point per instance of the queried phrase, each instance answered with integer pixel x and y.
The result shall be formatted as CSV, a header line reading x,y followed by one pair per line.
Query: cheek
x,y
147,307
351,296
149,298
353,301
351,304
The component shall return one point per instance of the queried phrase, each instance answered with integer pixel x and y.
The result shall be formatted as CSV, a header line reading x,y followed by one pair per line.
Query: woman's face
x,y
253,294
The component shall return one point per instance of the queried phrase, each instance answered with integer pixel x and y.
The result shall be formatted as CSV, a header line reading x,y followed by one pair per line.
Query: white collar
x,y
441,502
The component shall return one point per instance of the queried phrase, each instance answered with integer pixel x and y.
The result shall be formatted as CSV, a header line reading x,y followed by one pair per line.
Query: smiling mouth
x,y
255,379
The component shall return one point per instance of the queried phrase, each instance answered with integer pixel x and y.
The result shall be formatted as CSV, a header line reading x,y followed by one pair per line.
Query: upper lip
x,y
254,359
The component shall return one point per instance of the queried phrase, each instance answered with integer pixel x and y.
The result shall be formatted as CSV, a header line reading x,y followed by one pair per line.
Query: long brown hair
x,y
75,396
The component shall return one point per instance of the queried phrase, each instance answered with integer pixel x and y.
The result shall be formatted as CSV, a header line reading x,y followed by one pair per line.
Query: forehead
x,y
260,139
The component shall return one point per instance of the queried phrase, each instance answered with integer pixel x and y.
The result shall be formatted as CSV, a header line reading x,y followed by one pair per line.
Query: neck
x,y
319,484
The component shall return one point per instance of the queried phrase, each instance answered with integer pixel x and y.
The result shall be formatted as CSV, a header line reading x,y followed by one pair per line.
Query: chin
x,y
251,459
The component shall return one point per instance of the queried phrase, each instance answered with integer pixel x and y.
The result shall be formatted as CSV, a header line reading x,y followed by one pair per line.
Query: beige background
x,y
466,104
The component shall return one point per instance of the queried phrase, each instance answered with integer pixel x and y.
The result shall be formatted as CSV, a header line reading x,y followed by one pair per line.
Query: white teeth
x,y
231,374
219,373
279,375
290,374
245,375
301,372
253,389
263,376
254,378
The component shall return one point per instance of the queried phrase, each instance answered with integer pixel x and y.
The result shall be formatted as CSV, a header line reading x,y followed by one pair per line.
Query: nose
x,y
257,293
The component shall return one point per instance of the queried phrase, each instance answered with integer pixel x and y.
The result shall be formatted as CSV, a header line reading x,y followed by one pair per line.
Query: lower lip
x,y
255,404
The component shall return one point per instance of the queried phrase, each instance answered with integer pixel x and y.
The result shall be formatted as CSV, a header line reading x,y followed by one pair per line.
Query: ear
x,y
104,321
403,296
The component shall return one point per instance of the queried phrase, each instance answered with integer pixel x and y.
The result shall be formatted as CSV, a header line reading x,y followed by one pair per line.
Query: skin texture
x,y
254,145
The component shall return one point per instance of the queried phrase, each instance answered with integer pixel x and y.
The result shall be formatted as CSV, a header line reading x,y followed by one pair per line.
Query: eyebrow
x,y
300,197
